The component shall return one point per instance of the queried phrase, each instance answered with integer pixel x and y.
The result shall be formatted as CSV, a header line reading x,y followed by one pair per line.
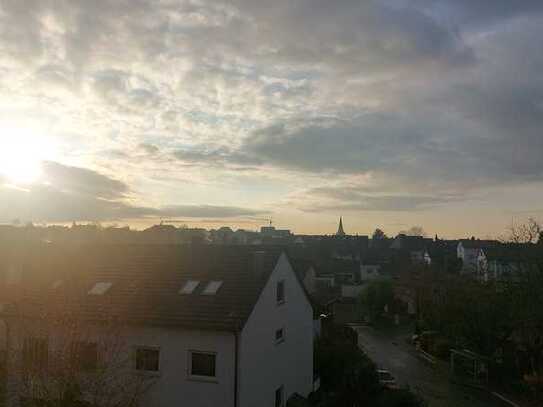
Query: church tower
x,y
340,231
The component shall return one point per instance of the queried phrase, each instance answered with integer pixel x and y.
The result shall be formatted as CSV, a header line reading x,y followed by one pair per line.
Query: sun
x,y
22,151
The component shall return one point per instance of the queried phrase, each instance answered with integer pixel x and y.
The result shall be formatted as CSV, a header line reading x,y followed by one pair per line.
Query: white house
x,y
212,326
468,251
507,262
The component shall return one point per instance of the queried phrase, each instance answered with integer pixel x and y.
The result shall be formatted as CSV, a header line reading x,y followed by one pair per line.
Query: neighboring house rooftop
x,y
411,243
478,244
302,266
203,287
510,253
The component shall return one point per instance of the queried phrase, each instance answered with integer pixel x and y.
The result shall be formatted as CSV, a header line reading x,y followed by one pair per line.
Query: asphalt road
x,y
390,351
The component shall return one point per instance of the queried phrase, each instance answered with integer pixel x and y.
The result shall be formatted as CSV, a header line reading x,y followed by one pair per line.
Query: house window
x,y
279,397
202,365
281,292
279,335
85,355
35,354
147,359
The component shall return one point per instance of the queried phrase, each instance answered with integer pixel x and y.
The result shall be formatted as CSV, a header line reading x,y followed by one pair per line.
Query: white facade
x,y
265,365
469,257
174,385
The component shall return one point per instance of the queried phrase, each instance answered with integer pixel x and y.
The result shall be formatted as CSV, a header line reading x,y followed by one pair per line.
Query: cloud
x,y
392,203
83,181
79,194
210,211
342,197
149,148
215,157
480,12
426,96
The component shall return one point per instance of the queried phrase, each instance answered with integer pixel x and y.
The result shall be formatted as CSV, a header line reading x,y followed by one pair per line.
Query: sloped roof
x,y
412,243
145,282
301,266
478,244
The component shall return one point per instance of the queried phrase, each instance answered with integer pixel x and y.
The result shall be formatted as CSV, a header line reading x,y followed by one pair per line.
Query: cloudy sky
x,y
391,113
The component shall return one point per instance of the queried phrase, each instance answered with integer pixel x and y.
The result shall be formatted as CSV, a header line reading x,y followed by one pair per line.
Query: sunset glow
x,y
22,151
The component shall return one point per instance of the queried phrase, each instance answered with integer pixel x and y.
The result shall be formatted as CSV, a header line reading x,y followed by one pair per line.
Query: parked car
x,y
386,379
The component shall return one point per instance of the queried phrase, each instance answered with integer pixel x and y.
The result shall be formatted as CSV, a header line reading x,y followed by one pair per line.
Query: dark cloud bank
x,y
77,194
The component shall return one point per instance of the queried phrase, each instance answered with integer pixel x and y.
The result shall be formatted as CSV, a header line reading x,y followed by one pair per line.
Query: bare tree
x,y
528,232
61,360
378,234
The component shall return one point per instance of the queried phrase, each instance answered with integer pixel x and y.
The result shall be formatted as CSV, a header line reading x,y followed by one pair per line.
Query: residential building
x,y
211,325
507,262
417,246
468,251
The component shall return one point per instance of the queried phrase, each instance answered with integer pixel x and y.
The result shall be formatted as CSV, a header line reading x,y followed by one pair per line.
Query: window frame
x,y
201,378
146,348
281,300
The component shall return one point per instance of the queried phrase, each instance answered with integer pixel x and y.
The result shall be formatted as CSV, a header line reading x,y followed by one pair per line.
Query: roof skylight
x,y
212,288
57,284
100,288
189,287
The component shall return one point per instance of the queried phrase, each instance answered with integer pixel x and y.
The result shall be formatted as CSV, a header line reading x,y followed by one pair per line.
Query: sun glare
x,y
22,151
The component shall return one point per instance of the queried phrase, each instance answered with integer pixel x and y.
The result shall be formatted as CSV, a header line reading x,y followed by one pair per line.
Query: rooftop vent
x,y
189,287
100,288
212,288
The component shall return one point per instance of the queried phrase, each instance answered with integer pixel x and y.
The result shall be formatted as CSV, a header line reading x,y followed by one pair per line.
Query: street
x,y
390,351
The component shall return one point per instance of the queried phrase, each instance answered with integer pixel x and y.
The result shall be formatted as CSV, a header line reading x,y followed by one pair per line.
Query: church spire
x,y
340,231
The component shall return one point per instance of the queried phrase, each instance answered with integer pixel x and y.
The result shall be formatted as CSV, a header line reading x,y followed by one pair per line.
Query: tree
x,y
349,377
399,398
378,234
377,295
528,232
498,316
60,360
414,231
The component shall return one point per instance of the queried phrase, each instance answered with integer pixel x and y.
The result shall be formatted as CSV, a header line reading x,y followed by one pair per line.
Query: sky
x,y
390,113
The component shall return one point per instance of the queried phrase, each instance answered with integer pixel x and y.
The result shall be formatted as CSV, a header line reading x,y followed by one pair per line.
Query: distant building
x,y
340,231
271,231
507,262
468,251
